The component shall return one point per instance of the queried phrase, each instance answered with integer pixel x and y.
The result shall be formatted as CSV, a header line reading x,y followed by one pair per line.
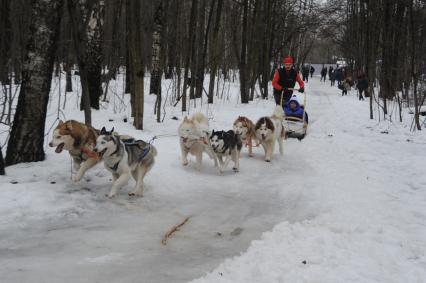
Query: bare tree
x,y
77,15
2,165
136,63
27,136
5,35
156,71
214,57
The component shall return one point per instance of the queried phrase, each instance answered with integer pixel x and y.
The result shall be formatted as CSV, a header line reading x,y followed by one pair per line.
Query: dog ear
x,y
112,131
185,119
103,131
60,122
69,126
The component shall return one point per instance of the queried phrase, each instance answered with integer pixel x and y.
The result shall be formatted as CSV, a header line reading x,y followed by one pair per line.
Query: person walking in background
x,y
362,84
323,74
305,73
332,76
312,70
330,70
284,80
346,86
339,76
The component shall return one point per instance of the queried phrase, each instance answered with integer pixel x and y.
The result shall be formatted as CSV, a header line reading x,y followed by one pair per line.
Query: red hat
x,y
288,60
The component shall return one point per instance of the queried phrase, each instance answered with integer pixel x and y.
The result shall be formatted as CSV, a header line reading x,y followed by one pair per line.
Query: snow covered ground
x,y
347,204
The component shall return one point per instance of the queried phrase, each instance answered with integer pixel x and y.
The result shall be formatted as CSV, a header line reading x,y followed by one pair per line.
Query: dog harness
x,y
193,141
89,153
144,153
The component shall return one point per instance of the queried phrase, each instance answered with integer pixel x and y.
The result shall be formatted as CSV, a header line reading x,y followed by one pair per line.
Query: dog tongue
x,y
59,148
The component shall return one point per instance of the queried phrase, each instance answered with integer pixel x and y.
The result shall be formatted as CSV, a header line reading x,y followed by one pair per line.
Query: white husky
x,y
270,129
194,138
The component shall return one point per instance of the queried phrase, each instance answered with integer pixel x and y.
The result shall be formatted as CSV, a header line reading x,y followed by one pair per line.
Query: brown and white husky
x,y
270,129
244,127
79,139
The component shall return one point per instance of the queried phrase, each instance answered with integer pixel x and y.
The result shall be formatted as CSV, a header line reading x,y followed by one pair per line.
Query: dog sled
x,y
295,123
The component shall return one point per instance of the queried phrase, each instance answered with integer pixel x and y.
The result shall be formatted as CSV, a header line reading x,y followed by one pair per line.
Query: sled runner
x,y
295,127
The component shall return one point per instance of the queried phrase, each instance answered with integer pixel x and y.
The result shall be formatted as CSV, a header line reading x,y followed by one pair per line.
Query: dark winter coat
x,y
362,83
339,75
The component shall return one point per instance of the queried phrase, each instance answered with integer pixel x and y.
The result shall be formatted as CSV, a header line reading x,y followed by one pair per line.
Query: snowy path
x,y
342,195
365,192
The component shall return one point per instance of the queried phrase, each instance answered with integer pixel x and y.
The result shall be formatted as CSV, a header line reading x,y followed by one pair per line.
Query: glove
x,y
301,90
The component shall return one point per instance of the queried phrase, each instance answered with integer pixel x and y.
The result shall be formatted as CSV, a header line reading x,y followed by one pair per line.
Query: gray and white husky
x,y
226,144
123,160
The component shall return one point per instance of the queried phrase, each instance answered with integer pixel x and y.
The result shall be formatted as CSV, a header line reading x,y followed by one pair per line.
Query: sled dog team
x,y
126,157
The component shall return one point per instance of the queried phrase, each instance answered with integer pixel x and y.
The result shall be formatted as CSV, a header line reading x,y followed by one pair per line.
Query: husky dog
x,y
194,138
124,160
226,144
269,129
79,139
244,127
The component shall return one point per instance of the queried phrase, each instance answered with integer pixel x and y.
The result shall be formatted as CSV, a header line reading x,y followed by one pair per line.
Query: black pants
x,y
360,94
286,97
305,77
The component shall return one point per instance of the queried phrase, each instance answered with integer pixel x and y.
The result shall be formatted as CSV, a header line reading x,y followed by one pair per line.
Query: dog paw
x,y
267,160
235,169
251,155
185,162
110,195
76,178
136,194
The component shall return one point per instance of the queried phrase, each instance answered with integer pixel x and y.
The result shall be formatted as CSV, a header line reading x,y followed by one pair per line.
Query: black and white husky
x,y
228,145
133,158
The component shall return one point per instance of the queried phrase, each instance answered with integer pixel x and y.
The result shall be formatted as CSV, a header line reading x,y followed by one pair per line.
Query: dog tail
x,y
278,112
200,118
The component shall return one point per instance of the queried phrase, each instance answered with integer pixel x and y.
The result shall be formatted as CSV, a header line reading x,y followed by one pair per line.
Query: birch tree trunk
x,y
27,136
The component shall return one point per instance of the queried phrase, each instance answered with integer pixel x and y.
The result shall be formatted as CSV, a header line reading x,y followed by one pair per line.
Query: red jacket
x,y
276,81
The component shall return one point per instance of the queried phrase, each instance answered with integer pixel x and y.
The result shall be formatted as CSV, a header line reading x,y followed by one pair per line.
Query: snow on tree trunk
x,y
27,136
